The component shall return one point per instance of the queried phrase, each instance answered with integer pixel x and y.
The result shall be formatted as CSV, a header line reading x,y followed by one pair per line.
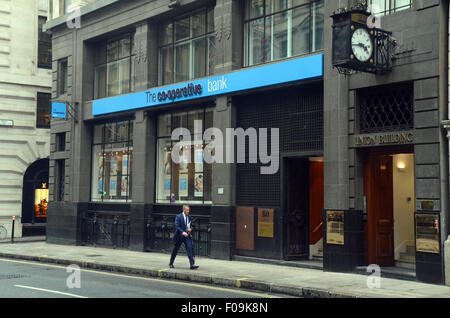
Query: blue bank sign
x,y
247,79
59,110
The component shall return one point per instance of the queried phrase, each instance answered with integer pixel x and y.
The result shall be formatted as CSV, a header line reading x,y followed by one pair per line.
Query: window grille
x,y
386,108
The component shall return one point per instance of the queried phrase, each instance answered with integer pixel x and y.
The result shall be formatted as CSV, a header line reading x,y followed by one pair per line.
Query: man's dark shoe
x,y
194,266
171,266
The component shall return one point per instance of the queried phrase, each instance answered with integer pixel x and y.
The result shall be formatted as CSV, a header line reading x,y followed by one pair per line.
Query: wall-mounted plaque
x,y
335,227
265,223
427,233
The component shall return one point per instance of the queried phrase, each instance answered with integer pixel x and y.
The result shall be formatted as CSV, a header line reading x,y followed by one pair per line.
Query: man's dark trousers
x,y
189,248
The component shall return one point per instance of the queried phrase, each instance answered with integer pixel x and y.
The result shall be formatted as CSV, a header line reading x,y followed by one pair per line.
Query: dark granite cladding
x,y
344,258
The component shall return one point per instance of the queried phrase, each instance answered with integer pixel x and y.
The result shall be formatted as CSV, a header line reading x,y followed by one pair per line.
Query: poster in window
x,y
183,185
113,165
198,185
167,163
113,186
198,156
124,186
167,185
124,164
100,175
184,160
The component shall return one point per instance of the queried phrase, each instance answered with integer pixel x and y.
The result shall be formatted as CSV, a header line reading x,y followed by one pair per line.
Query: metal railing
x,y
105,229
160,230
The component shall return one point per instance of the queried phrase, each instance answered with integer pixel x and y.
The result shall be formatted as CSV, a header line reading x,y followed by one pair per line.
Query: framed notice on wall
x,y
427,233
198,185
335,227
265,223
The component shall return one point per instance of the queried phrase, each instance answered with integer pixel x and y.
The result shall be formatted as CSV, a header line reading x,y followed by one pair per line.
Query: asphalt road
x,y
23,279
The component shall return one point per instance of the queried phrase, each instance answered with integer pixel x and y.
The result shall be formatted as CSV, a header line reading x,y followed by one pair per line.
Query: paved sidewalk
x,y
302,282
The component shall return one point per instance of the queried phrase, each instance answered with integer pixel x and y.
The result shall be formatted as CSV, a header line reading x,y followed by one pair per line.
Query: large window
x,y
44,45
43,110
190,180
112,154
187,48
383,7
114,71
278,29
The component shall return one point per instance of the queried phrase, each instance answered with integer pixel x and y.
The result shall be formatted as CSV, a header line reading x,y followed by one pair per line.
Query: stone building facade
x,y
139,69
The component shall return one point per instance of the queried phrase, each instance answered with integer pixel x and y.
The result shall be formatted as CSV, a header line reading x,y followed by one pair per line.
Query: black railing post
x,y
94,230
114,231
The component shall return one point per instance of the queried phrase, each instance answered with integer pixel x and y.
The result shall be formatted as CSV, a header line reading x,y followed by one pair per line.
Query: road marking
x,y
262,295
238,282
161,271
50,291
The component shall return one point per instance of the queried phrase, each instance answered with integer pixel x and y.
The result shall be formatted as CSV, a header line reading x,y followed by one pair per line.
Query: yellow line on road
x,y
238,282
262,295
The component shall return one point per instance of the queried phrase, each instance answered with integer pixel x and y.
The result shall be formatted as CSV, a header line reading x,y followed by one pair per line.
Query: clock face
x,y
362,45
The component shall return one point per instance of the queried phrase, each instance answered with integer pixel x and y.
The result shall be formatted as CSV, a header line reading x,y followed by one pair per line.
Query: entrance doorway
x,y
389,193
35,198
303,207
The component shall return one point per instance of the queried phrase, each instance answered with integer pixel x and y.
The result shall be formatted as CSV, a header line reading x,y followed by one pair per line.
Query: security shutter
x,y
298,113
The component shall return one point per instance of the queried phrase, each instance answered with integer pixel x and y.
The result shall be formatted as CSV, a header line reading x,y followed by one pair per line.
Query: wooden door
x,y
378,183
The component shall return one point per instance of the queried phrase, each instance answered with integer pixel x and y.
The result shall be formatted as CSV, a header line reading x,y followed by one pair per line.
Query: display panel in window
x,y
278,29
112,157
188,181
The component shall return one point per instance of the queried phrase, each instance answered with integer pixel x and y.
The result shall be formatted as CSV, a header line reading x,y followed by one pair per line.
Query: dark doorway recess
x,y
35,198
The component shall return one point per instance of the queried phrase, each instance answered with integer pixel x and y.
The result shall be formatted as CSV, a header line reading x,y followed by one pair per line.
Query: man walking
x,y
182,234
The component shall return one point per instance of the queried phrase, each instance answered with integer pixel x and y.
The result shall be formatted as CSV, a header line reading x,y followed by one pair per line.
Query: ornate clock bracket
x,y
344,57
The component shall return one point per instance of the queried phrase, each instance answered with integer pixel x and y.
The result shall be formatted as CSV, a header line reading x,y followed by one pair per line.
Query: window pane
x,y
275,5
402,5
122,130
164,164
97,173
112,51
166,34
124,76
100,82
378,6
100,54
182,30
164,125
209,113
317,26
182,62
254,42
277,32
192,117
254,8
199,57
299,2
124,47
211,63
198,24
112,79
210,20
166,66
179,120
43,110
300,31
110,133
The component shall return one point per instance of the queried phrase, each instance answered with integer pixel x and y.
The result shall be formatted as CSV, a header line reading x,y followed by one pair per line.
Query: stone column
x,y
143,177
228,16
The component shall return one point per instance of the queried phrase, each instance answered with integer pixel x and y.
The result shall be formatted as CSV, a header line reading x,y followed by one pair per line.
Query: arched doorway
x,y
35,198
